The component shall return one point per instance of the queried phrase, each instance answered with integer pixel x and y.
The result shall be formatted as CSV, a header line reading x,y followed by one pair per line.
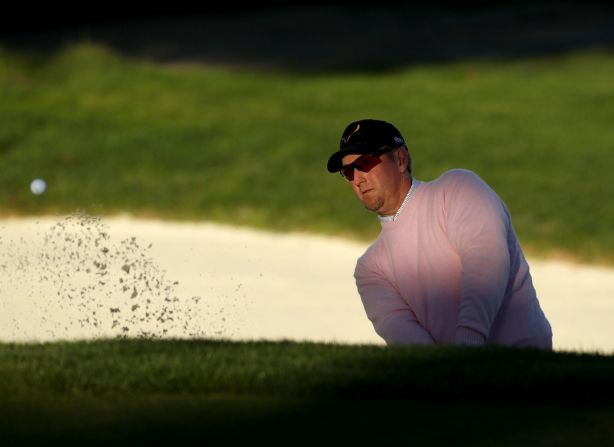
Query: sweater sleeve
x,y
477,224
391,316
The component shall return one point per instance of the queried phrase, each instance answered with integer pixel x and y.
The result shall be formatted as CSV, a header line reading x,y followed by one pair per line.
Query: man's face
x,y
378,189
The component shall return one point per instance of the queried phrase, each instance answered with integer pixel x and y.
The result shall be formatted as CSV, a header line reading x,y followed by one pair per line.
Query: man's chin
x,y
374,206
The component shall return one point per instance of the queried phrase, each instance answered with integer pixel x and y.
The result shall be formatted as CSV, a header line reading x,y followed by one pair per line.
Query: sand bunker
x,y
79,276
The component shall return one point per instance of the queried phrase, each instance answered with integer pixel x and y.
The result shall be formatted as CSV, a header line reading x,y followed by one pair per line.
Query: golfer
x,y
447,267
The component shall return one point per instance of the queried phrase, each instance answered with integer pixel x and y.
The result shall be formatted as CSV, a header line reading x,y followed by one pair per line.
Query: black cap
x,y
365,137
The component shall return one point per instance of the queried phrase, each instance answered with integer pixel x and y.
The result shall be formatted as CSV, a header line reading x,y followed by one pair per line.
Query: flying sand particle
x,y
76,252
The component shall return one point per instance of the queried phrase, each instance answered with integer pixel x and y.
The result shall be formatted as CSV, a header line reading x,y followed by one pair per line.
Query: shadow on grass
x,y
338,36
143,392
230,420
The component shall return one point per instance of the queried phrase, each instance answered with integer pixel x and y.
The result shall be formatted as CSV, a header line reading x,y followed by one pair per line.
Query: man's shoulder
x,y
372,250
458,180
369,258
458,175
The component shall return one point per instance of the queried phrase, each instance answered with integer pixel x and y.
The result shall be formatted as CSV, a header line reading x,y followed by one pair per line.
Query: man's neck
x,y
403,191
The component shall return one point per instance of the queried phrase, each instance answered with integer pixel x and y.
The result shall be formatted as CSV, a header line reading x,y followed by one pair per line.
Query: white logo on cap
x,y
345,140
398,140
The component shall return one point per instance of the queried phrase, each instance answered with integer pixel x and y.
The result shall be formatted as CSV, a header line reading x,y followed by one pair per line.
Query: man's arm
x,y
391,316
477,224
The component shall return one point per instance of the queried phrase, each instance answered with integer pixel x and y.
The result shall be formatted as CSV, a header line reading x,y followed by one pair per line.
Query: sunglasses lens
x,y
363,163
348,172
367,162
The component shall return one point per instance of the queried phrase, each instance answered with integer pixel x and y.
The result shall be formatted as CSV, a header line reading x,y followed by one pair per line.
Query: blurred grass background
x,y
117,134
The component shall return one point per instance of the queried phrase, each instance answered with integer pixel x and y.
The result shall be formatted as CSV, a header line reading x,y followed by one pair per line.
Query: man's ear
x,y
401,157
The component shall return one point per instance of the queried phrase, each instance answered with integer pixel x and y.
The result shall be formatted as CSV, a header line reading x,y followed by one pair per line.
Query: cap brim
x,y
335,162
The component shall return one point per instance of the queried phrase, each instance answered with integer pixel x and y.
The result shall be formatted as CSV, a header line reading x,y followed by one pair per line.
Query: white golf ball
x,y
38,186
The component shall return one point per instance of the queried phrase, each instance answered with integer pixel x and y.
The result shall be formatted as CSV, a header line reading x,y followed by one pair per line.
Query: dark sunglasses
x,y
364,163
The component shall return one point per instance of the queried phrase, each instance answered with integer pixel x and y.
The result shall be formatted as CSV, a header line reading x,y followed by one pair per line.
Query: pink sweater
x,y
449,270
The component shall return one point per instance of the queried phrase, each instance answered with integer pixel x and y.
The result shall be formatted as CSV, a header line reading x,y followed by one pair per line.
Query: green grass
x,y
250,147
139,392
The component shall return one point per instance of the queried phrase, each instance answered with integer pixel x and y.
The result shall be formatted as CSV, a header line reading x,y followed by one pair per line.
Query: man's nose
x,y
359,177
